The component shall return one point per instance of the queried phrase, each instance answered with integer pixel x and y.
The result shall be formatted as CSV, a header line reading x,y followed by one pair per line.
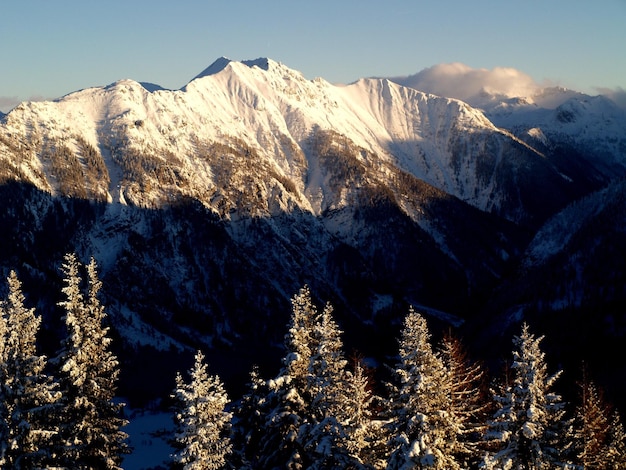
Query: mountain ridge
x,y
209,206
259,104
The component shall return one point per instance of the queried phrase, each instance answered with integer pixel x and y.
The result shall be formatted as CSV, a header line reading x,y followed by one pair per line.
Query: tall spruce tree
x,y
4,411
304,408
91,419
27,393
202,424
289,397
423,431
365,435
529,429
324,437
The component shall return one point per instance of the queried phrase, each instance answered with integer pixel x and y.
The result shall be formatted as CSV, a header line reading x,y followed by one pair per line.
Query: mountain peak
x,y
220,64
262,62
216,67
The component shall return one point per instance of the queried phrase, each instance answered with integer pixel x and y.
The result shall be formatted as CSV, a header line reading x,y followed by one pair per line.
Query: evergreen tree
x,y
323,437
4,412
365,435
250,414
423,431
596,431
91,420
326,365
289,397
591,427
28,395
616,445
528,427
468,400
203,426
304,407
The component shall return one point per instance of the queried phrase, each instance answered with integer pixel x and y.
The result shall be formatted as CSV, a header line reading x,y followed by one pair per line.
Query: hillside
x,y
208,207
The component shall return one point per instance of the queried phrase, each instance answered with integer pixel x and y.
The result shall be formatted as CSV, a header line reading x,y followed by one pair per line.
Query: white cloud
x,y
618,95
460,81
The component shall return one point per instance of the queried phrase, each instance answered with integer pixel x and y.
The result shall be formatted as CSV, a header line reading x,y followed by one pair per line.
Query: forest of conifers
x,y
438,410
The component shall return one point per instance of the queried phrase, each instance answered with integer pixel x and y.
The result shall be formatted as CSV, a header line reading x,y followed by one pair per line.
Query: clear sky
x,y
50,48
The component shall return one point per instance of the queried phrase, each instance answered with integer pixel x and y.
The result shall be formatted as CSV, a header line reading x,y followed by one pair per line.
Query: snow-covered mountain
x,y
554,120
208,207
275,112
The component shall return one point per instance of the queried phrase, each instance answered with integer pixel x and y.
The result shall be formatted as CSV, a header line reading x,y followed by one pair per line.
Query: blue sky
x,y
50,48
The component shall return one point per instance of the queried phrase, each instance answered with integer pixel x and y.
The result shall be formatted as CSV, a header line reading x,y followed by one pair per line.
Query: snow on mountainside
x,y
571,281
548,118
275,111
593,125
208,207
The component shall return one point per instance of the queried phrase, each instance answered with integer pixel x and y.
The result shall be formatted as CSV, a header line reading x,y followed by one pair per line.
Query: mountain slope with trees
x,y
207,207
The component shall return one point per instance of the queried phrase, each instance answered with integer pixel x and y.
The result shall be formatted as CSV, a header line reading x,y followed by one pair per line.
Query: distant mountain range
x,y
208,207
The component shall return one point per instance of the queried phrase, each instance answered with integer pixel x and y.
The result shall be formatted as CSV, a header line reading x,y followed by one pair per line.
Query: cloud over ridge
x,y
457,80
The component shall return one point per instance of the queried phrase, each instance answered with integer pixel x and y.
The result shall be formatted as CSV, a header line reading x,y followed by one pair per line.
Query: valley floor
x,y
148,435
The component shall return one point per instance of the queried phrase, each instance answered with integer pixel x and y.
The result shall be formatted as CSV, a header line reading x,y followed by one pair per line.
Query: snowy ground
x,y
148,433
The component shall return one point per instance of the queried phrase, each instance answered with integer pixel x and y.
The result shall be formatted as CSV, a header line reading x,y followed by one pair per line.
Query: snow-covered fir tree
x,y
616,445
306,411
366,439
469,401
529,429
327,365
4,431
289,397
324,437
28,395
422,429
91,419
202,423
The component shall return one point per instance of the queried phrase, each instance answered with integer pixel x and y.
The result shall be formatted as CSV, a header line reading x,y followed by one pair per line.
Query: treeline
x,y
438,410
